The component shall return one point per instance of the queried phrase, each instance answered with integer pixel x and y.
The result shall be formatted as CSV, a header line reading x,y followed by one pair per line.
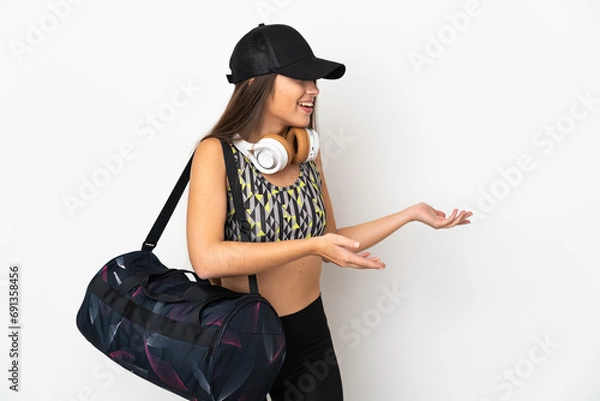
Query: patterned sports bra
x,y
277,213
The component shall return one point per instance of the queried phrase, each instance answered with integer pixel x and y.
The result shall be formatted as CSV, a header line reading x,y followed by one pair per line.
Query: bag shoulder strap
x,y
167,211
236,190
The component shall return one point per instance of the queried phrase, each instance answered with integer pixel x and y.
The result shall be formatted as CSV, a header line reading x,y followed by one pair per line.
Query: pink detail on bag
x,y
218,321
231,338
164,371
122,356
104,273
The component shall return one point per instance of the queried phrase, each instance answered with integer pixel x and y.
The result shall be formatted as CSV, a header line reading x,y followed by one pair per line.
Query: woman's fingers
x,y
365,261
362,260
341,251
454,219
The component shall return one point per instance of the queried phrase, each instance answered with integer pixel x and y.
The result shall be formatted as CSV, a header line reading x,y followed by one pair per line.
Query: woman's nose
x,y
311,88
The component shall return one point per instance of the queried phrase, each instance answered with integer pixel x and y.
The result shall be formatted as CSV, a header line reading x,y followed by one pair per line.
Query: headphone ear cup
x,y
287,146
305,142
269,155
299,140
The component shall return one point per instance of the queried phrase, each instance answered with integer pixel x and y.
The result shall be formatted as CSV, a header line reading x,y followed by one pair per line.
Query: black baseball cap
x,y
280,49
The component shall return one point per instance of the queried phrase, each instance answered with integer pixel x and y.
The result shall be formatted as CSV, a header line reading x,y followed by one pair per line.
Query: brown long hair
x,y
246,108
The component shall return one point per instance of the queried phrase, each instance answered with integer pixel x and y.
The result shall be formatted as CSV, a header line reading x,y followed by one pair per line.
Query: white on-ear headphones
x,y
273,152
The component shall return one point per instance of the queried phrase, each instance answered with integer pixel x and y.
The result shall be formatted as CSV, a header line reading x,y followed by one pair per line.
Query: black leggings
x,y
310,371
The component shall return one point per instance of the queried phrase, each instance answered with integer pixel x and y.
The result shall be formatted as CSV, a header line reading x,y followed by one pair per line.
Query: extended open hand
x,y
437,219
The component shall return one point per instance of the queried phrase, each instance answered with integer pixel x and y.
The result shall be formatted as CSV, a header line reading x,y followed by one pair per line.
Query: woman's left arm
x,y
372,232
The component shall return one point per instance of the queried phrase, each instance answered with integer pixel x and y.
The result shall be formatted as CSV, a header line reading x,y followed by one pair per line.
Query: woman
x,y
275,75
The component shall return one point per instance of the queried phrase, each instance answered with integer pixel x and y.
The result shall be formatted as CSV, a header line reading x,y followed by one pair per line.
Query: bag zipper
x,y
211,348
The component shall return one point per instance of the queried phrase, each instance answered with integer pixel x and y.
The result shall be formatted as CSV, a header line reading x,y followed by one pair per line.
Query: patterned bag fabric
x,y
199,341
196,340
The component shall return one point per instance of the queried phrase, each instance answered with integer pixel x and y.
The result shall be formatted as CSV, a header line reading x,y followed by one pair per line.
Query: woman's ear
x,y
250,81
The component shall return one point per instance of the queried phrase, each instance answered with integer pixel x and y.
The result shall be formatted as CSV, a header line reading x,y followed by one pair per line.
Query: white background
x,y
436,106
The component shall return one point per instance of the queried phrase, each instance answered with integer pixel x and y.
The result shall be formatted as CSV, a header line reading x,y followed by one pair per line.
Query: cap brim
x,y
313,68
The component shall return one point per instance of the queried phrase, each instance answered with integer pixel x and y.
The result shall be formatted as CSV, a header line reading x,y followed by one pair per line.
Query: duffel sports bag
x,y
178,331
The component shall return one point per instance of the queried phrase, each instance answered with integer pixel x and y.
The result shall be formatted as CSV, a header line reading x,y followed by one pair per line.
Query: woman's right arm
x,y
213,257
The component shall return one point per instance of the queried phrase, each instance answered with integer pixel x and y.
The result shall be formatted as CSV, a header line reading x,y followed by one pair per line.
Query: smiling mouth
x,y
309,105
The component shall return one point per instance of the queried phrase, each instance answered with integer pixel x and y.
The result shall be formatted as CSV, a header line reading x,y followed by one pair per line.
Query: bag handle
x,y
192,294
143,281
167,211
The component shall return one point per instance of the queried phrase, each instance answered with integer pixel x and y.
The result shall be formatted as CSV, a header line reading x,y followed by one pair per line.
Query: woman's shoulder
x,y
209,145
209,148
209,155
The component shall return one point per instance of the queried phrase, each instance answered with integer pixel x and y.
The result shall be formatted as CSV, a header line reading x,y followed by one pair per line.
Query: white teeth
x,y
306,104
